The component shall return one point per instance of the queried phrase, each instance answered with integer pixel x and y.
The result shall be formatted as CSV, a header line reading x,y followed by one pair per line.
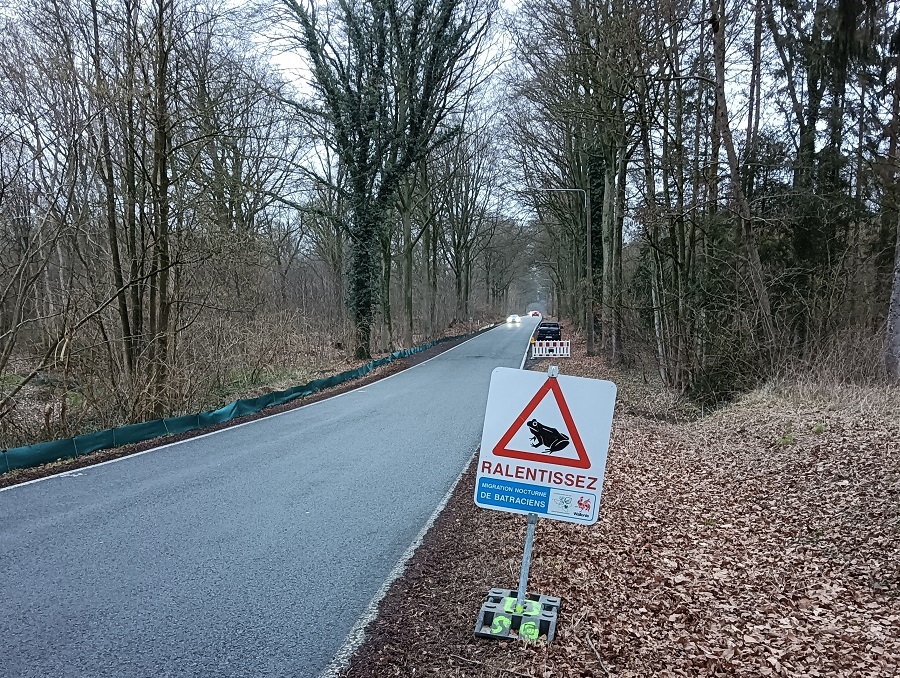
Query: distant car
x,y
514,319
548,331
535,314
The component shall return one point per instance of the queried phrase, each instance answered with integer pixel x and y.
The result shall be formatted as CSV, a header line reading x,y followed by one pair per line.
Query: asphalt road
x,y
247,552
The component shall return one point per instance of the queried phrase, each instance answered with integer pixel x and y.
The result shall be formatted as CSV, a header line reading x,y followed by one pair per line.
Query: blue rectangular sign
x,y
506,495
510,495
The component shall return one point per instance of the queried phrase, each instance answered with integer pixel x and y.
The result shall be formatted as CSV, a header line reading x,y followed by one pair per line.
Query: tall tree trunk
x,y
892,348
458,274
607,225
364,262
108,177
659,331
426,256
619,228
387,267
405,204
408,279
698,189
468,283
162,181
130,176
433,278
754,102
755,265
589,279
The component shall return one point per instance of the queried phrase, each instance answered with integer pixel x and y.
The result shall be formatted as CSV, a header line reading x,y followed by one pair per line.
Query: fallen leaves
x,y
719,551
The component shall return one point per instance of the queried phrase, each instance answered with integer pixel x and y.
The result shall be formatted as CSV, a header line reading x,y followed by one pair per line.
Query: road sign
x,y
543,448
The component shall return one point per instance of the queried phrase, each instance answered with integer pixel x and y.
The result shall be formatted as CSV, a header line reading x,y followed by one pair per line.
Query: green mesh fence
x,y
42,453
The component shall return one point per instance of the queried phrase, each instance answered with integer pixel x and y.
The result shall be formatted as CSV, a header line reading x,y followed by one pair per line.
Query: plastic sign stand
x,y
543,452
499,619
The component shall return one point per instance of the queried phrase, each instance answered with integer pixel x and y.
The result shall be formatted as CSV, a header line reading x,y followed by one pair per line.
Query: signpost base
x,y
515,614
501,619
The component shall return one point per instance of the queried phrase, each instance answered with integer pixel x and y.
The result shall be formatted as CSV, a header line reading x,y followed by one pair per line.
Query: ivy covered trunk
x,y
364,275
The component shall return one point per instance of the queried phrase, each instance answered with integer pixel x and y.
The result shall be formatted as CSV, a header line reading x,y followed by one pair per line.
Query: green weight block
x,y
500,619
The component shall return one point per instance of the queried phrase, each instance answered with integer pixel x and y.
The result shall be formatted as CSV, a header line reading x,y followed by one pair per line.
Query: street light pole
x,y
589,288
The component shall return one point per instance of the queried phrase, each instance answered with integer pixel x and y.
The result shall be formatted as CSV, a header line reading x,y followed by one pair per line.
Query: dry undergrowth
x,y
276,353
22,475
763,539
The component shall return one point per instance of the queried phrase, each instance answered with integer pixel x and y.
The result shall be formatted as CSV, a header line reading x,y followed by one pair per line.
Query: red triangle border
x,y
552,384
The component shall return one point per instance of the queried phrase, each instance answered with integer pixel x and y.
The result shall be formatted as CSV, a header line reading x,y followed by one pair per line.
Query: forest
x,y
202,198
742,162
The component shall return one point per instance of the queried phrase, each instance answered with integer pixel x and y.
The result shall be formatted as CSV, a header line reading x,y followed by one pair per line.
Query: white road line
x,y
525,357
246,423
358,633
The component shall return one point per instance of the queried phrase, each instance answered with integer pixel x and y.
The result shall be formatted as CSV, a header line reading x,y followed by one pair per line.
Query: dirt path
x,y
761,540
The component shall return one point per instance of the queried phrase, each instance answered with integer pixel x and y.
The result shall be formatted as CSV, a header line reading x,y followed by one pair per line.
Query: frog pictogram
x,y
549,437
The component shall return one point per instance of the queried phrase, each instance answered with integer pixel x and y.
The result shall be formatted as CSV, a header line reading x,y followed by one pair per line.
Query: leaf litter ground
x,y
760,540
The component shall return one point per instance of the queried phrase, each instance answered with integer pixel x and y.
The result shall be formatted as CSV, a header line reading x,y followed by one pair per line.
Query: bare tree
x,y
892,348
723,125
388,74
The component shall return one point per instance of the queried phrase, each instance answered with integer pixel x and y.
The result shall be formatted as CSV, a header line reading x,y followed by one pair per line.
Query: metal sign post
x,y
552,371
526,560
543,453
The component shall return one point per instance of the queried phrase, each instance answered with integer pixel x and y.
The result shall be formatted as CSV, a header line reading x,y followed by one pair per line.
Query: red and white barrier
x,y
554,349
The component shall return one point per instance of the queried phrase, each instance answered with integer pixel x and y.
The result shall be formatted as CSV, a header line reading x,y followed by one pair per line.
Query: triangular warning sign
x,y
501,448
